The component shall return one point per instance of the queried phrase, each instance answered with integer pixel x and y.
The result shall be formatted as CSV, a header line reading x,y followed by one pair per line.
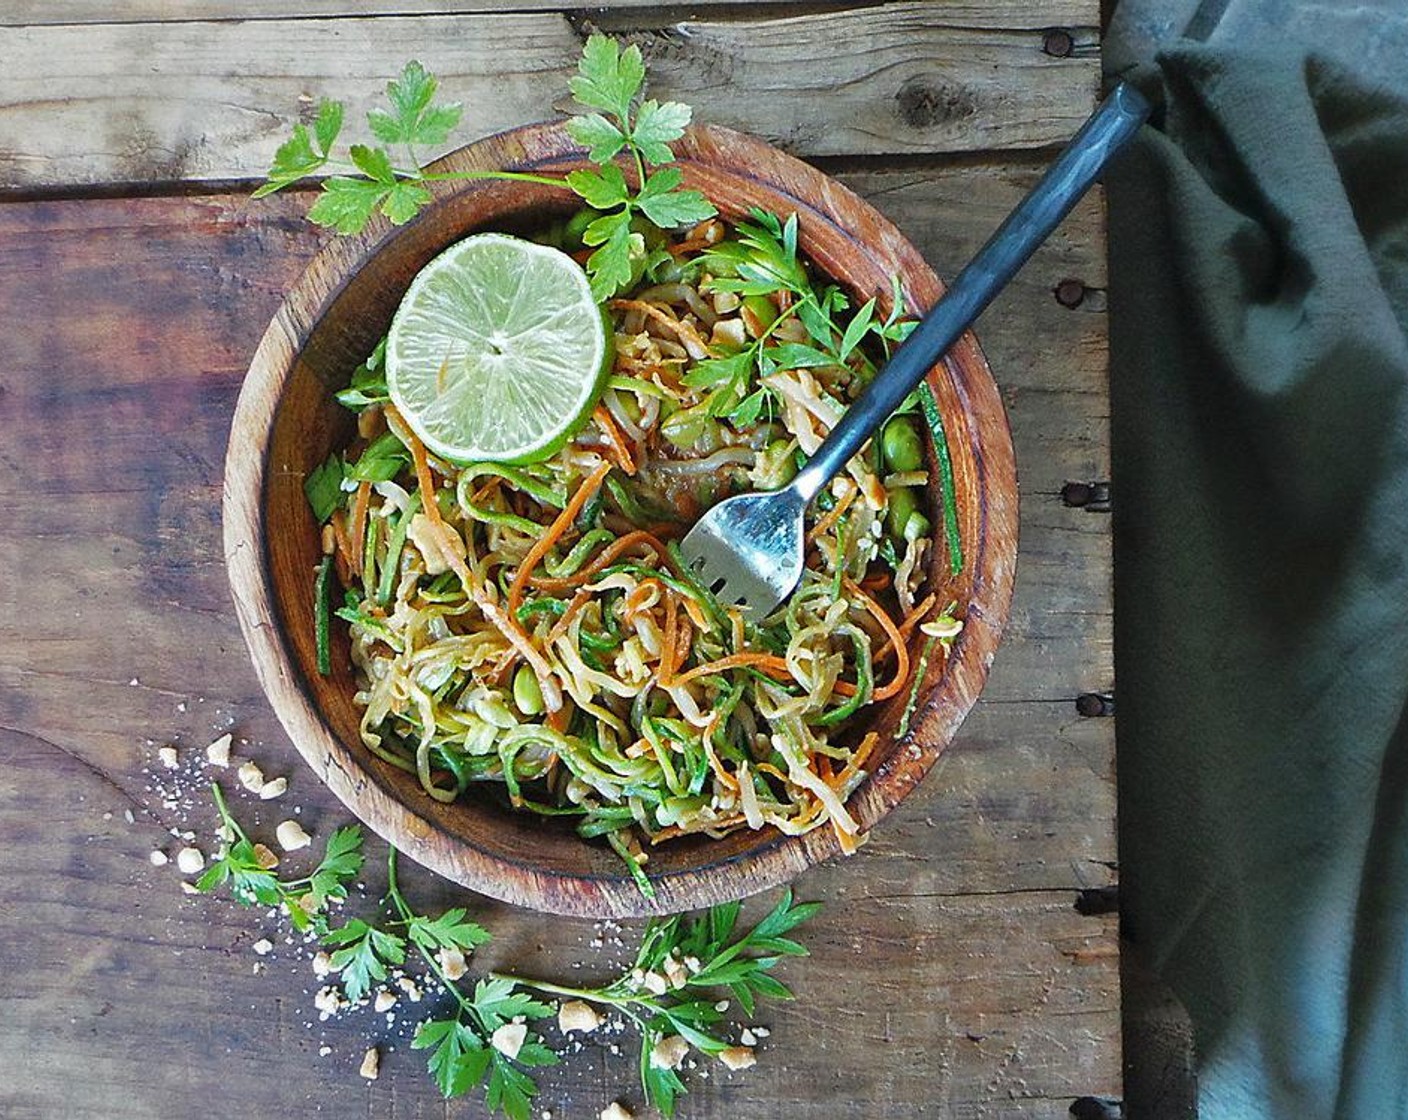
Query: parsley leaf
x,y
460,1059
656,126
597,134
497,1001
295,159
608,78
448,931
413,118
363,954
662,201
600,189
610,266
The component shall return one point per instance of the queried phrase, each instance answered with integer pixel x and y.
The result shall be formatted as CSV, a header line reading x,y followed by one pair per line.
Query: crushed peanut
x,y
189,861
371,1064
270,790
616,1111
291,836
384,1001
263,946
508,1039
218,753
748,1038
452,963
655,984
265,857
738,1057
322,964
669,1052
577,1016
158,858
168,757
251,777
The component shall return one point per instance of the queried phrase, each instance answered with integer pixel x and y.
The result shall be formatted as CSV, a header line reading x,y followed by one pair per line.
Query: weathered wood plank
x,y
953,13
110,470
164,102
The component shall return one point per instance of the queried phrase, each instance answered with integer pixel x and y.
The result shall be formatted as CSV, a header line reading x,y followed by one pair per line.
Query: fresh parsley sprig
x,y
248,871
619,121
611,82
486,1040
683,964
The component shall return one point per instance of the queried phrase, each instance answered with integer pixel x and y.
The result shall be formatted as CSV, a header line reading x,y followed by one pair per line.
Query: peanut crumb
x,y
384,1001
291,836
159,858
577,1016
218,753
616,1111
168,757
508,1039
669,1052
270,790
251,777
371,1064
263,946
265,857
452,963
322,964
189,861
738,1057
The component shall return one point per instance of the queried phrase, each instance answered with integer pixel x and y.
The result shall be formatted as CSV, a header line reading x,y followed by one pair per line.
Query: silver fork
x,y
748,549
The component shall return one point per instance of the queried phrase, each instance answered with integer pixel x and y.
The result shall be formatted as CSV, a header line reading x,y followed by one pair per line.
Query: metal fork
x,y
748,549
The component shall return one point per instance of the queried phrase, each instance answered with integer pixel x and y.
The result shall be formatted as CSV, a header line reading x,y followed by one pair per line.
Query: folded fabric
x,y
1259,333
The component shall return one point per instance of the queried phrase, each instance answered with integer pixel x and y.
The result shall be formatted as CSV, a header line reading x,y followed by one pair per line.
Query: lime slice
x,y
497,351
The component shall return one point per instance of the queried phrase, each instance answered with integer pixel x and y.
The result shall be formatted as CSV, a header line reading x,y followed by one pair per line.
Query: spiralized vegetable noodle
x,y
533,626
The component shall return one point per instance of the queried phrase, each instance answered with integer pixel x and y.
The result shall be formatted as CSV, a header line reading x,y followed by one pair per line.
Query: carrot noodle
x,y
659,712
602,415
555,530
892,632
359,526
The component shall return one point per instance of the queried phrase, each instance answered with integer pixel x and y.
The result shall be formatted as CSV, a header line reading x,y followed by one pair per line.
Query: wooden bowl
x,y
287,422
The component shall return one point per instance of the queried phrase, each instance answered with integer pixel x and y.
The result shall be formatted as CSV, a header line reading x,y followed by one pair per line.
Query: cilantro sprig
x,y
683,964
619,122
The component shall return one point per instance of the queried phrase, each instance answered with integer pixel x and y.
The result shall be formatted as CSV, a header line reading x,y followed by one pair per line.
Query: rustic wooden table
x,y
953,972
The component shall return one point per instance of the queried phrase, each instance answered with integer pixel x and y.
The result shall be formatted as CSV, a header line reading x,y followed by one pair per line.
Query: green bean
x,y
904,451
555,607
544,492
322,626
946,483
527,693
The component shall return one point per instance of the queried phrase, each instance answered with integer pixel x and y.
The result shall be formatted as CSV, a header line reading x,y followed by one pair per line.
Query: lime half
x,y
498,350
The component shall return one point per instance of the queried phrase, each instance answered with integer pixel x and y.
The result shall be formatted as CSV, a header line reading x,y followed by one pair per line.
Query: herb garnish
x,y
610,83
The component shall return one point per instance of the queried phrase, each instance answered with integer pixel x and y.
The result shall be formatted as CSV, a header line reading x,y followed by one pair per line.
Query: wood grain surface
x,y
951,974
137,103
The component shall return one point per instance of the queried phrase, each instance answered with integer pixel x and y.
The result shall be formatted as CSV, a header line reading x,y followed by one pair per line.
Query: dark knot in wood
x,y
1058,43
925,102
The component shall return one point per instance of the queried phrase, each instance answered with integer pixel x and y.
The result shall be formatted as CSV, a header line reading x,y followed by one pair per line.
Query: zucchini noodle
x,y
532,626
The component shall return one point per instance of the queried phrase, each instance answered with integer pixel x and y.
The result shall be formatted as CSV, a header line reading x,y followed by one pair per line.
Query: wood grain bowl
x,y
286,422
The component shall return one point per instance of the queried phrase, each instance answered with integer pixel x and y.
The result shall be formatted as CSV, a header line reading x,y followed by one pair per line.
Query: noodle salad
x,y
533,626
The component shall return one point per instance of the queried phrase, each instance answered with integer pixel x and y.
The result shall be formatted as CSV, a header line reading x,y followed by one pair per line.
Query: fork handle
x,y
1109,128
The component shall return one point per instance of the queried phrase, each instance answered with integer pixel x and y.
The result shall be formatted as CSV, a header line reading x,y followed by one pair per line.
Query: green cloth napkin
x,y
1259,332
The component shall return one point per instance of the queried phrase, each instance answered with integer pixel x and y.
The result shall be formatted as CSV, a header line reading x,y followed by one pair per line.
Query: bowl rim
x,y
964,374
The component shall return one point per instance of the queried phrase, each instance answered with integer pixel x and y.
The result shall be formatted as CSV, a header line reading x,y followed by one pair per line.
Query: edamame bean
x,y
917,527
904,451
904,503
576,226
527,693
